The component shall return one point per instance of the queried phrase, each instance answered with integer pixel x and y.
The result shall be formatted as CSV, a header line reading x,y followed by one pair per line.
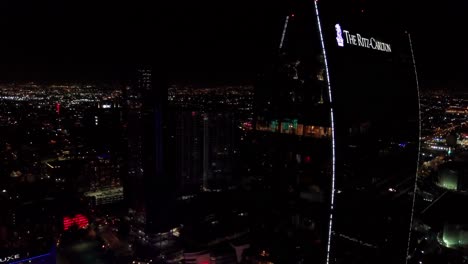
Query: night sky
x,y
192,41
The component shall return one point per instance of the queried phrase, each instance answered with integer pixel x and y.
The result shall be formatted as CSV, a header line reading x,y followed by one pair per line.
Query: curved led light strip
x,y
419,149
284,32
332,201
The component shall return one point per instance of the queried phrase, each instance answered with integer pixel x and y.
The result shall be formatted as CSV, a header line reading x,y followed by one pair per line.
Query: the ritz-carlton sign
x,y
358,40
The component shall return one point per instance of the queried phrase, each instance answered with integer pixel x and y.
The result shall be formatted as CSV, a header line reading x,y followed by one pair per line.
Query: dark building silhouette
x,y
189,143
149,185
157,152
133,103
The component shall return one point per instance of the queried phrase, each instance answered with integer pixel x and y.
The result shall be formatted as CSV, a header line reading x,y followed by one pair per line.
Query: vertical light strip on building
x,y
419,149
206,145
332,201
284,32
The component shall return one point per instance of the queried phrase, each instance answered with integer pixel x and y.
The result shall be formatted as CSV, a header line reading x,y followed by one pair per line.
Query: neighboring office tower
x,y
149,173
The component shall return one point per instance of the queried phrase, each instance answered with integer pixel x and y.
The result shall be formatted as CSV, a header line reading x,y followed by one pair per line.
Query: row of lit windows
x,y
294,128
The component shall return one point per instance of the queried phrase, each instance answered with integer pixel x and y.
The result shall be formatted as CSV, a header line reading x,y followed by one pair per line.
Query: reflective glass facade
x,y
339,118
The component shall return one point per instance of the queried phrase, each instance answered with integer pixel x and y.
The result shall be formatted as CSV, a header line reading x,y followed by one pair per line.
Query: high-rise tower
x,y
336,134
150,177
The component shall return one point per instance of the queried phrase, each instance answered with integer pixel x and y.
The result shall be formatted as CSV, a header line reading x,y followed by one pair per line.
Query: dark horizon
x,y
197,42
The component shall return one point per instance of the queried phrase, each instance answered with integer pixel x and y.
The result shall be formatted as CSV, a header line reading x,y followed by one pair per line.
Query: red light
x,y
80,220
307,159
292,15
57,108
67,222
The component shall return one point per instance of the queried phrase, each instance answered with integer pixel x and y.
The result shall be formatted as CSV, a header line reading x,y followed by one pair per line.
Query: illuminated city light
x,y
332,201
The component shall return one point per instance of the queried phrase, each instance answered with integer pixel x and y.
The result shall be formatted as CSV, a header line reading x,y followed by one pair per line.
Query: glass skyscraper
x,y
337,134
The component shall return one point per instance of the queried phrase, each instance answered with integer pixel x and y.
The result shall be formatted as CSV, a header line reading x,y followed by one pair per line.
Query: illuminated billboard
x,y
78,220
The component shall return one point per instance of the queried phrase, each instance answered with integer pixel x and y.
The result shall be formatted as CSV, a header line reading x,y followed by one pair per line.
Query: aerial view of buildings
x,y
307,132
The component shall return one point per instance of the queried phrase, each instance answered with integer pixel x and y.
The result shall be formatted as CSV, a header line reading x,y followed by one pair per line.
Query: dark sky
x,y
195,41
439,30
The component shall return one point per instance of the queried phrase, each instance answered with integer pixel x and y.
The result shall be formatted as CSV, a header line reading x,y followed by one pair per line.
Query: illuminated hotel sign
x,y
9,258
358,40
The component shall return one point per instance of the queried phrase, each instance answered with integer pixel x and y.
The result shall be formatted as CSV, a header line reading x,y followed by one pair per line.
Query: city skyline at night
x,y
296,132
